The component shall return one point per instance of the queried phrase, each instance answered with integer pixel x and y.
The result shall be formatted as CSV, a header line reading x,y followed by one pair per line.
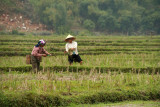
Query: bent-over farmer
x,y
37,53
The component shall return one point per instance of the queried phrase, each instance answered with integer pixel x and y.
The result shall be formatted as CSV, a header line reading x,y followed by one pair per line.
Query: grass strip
x,y
81,68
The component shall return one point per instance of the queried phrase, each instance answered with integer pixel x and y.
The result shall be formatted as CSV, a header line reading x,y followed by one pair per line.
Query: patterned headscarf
x,y
41,42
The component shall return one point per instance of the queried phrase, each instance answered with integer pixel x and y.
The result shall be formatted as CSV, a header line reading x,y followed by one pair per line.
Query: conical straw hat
x,y
70,36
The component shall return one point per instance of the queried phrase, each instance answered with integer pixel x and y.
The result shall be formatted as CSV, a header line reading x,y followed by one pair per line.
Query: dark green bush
x,y
32,99
3,33
88,24
85,33
15,32
2,28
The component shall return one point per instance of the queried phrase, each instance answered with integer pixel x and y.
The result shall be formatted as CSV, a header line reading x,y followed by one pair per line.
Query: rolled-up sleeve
x,y
66,48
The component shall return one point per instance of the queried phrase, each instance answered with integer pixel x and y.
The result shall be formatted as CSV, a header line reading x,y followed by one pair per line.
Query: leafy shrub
x,y
88,24
15,32
85,33
3,33
2,27
32,99
61,30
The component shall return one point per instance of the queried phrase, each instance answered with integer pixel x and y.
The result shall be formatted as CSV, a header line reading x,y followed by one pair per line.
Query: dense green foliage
x,y
124,16
111,16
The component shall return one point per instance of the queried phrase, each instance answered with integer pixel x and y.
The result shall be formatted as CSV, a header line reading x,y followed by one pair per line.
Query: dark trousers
x,y
75,58
35,64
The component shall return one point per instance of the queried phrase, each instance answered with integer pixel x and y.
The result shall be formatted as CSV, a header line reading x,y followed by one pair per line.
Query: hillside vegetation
x,y
108,16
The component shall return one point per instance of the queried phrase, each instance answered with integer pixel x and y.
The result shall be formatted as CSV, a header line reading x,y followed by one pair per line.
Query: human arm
x,y
35,52
66,49
47,53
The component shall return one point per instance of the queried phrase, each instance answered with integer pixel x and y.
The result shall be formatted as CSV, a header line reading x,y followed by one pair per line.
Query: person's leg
x,y
81,62
78,59
70,63
34,67
38,66
34,64
70,60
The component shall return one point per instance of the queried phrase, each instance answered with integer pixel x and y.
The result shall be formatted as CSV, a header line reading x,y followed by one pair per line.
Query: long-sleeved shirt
x,y
38,51
72,45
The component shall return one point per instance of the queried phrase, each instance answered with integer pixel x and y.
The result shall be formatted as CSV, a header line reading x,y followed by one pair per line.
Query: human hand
x,y
65,52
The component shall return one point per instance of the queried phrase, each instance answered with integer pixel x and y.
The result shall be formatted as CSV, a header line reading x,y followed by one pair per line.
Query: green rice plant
x,y
115,68
88,88
111,60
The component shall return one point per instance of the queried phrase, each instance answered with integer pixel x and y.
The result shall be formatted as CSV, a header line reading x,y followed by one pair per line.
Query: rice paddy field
x,y
115,69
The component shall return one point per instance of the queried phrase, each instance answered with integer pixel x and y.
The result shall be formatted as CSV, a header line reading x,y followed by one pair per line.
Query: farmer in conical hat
x,y
37,53
71,49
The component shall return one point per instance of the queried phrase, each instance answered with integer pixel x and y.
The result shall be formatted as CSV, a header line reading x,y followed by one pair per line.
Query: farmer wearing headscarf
x,y
37,53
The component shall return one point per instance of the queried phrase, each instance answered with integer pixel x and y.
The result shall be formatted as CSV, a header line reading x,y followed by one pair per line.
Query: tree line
x,y
111,16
